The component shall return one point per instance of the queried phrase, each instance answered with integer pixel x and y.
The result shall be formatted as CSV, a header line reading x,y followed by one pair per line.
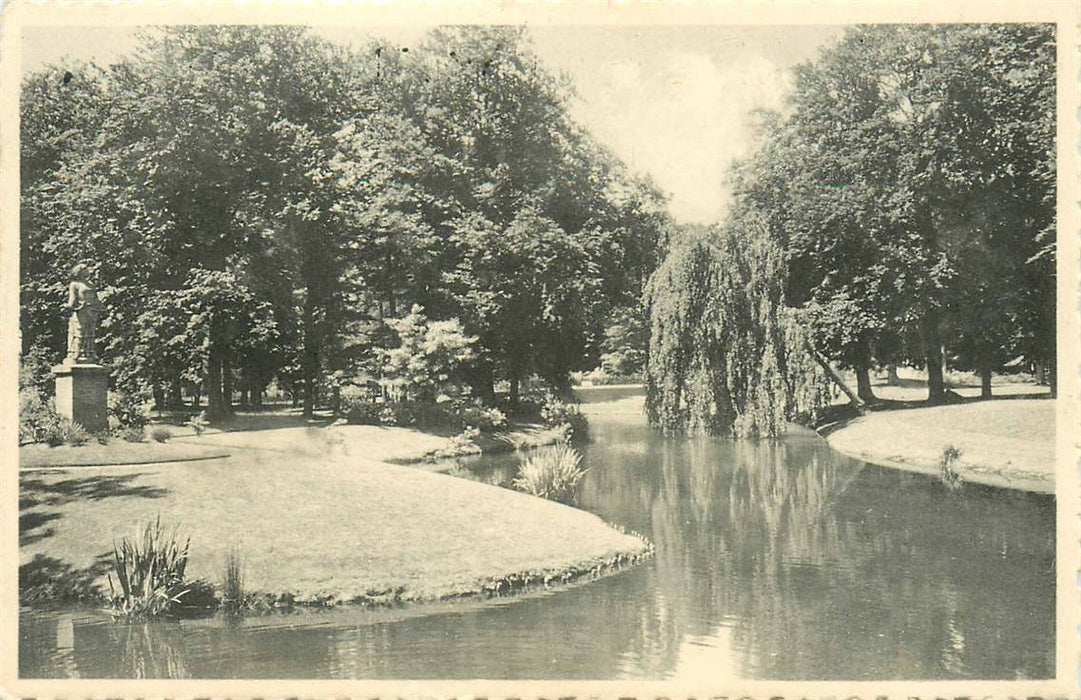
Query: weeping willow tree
x,y
726,356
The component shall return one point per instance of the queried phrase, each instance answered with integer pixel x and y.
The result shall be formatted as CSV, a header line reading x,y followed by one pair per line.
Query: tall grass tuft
x,y
149,569
950,476
232,595
552,472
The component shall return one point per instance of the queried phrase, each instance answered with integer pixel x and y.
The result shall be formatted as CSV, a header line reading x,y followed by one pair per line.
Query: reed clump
x,y
149,568
552,472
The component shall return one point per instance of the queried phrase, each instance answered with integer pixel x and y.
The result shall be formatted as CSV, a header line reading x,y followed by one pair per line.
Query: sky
x,y
673,102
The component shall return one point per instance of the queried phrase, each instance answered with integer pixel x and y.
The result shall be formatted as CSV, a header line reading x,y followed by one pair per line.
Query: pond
x,y
773,561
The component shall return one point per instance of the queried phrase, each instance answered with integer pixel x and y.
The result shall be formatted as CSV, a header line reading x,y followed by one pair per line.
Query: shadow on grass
x,y
46,581
270,419
37,496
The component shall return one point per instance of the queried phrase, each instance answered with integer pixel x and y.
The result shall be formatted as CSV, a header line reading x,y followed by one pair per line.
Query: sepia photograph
x,y
704,353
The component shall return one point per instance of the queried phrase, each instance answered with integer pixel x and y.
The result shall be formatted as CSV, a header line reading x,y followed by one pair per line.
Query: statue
x,y
83,324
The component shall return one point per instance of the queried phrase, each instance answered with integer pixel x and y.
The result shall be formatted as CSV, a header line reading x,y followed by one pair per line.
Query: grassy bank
x,y
314,518
1006,443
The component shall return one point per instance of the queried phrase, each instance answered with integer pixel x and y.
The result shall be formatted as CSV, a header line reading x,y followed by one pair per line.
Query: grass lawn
x,y
1003,443
315,518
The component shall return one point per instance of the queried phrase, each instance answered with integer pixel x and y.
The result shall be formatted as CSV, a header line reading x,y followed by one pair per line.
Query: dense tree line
x,y
257,203
910,186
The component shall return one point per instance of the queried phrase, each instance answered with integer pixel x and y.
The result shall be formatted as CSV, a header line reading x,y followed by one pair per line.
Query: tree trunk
x,y
852,397
514,388
213,383
932,344
985,383
863,372
310,355
863,384
227,381
176,393
891,375
159,397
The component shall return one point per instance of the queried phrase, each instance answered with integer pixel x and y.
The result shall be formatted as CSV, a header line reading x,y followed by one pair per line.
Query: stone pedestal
x,y
82,392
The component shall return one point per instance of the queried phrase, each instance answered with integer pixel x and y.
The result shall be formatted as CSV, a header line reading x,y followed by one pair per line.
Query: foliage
x,y
198,423
555,413
254,202
232,596
160,434
133,434
599,377
149,569
949,475
35,371
70,433
929,220
426,366
726,355
626,342
551,472
358,405
129,409
480,417
38,421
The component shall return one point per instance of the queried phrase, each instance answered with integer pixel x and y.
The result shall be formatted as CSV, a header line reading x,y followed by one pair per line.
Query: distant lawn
x,y
1003,443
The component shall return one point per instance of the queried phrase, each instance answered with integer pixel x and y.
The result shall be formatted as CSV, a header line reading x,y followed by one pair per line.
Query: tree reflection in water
x,y
776,560
827,568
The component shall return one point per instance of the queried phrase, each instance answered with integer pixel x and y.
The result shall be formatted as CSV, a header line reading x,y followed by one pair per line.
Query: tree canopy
x,y
257,203
911,180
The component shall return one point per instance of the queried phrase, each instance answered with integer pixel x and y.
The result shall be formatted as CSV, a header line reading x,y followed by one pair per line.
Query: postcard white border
x,y
1066,15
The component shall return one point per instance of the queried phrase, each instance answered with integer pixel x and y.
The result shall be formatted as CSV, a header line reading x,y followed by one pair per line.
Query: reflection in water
x,y
773,560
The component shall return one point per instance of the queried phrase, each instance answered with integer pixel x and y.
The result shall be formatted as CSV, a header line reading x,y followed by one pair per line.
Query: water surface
x,y
773,561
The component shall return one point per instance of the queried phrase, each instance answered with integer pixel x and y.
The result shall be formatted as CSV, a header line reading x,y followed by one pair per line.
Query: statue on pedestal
x,y
83,323
82,385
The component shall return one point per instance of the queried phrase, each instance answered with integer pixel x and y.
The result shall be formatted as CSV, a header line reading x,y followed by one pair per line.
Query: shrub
x,y
102,437
556,413
160,434
72,433
551,472
38,421
401,413
460,445
35,371
198,423
950,476
133,434
363,413
430,357
358,405
481,417
131,409
149,569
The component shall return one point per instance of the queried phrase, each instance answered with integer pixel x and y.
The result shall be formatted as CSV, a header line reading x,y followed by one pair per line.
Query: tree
x,y
907,153
726,355
427,364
